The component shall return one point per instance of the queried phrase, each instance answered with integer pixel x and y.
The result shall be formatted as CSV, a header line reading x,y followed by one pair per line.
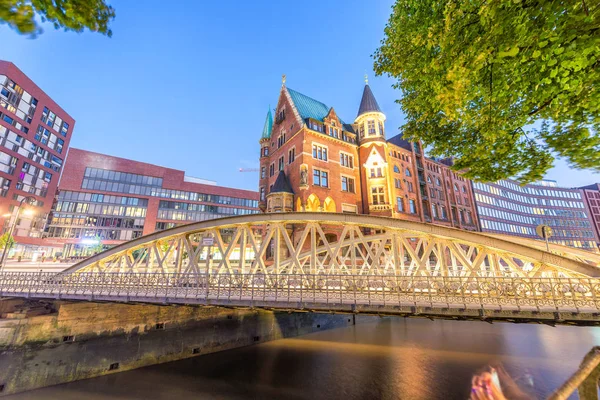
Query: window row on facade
x,y
65,219
101,198
100,209
103,234
118,185
26,148
16,100
546,196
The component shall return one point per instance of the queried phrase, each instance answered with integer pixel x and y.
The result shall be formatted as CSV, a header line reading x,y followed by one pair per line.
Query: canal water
x,y
381,358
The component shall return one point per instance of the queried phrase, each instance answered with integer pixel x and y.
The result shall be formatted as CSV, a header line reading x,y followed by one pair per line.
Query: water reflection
x,y
389,358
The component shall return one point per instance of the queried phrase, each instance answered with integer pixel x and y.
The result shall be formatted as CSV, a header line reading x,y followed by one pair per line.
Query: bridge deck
x,y
543,299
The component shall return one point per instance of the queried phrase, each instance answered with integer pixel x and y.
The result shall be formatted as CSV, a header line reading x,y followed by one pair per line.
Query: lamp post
x,y
12,228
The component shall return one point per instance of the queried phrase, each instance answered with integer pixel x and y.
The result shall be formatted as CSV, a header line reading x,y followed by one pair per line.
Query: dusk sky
x,y
188,86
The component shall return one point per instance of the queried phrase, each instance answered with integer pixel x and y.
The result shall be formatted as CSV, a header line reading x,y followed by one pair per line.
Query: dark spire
x,y
368,102
282,185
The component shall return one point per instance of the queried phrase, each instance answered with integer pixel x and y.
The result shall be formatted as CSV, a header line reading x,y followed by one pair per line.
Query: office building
x,y
34,137
508,208
110,200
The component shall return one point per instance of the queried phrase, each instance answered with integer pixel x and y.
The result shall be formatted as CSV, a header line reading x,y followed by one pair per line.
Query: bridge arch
x,y
302,243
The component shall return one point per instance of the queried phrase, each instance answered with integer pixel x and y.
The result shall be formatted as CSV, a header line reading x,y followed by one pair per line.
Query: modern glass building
x,y
112,200
508,208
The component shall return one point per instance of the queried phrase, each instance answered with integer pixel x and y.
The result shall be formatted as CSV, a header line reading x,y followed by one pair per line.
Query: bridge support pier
x,y
79,340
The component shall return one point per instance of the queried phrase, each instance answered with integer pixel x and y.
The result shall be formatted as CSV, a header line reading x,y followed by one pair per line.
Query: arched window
x,y
428,178
464,189
438,182
396,169
312,203
407,172
455,187
329,205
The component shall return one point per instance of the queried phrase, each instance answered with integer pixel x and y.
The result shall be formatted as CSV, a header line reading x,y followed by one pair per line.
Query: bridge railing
x,y
540,294
584,380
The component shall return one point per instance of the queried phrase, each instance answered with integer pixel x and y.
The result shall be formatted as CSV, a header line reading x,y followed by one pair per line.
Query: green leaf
x,y
71,15
475,104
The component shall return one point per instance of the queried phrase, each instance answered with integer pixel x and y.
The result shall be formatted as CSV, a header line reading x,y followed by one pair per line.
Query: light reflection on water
x,y
388,358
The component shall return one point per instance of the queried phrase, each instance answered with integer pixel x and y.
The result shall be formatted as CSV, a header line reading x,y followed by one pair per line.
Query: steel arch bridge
x,y
334,262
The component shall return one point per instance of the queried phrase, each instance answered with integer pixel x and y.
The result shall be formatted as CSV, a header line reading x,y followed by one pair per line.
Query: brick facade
x,y
34,138
388,177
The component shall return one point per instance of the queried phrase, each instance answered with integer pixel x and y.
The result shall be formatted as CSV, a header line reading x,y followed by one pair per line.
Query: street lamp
x,y
29,199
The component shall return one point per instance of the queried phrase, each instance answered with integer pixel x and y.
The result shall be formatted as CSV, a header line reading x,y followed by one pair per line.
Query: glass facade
x,y
122,182
506,207
115,205
85,215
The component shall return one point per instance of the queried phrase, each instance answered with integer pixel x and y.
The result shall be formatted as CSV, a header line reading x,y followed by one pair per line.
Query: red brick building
x,y
313,160
116,199
34,137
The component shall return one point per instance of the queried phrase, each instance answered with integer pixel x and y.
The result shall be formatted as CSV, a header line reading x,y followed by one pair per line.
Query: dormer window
x,y
333,123
281,115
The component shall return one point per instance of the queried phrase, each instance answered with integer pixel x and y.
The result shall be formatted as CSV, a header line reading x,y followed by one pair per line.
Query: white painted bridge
x,y
336,263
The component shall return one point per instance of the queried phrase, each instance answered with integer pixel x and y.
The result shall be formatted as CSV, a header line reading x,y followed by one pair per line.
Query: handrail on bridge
x,y
584,380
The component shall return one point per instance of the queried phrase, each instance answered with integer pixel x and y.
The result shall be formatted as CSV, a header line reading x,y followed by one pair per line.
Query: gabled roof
x,y
266,133
399,141
308,107
368,102
282,185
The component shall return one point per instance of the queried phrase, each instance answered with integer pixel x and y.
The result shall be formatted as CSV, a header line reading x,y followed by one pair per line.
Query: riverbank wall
x,y
49,343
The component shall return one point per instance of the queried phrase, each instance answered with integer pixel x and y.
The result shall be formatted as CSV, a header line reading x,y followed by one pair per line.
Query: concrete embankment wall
x,y
84,340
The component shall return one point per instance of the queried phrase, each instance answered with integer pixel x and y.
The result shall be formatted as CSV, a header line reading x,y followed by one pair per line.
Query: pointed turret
x,y
370,120
282,185
281,196
266,133
368,102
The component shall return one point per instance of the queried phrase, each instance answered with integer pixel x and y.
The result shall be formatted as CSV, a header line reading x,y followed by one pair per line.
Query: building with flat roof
x,y
34,137
508,208
591,194
111,200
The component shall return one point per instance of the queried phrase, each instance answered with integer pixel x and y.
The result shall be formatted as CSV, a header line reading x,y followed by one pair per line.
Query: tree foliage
x,y
97,247
475,75
72,15
6,240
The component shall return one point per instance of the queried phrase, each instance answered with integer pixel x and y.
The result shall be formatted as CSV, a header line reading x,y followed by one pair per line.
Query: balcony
x,y
380,207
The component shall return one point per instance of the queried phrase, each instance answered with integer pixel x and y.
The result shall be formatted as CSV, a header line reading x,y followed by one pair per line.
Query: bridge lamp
x,y
89,242
29,200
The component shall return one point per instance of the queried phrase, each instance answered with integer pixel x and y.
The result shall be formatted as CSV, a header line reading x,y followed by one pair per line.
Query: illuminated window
x,y
371,127
377,195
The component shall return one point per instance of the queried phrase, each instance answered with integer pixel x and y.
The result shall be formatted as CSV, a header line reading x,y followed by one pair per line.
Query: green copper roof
x,y
266,133
309,107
